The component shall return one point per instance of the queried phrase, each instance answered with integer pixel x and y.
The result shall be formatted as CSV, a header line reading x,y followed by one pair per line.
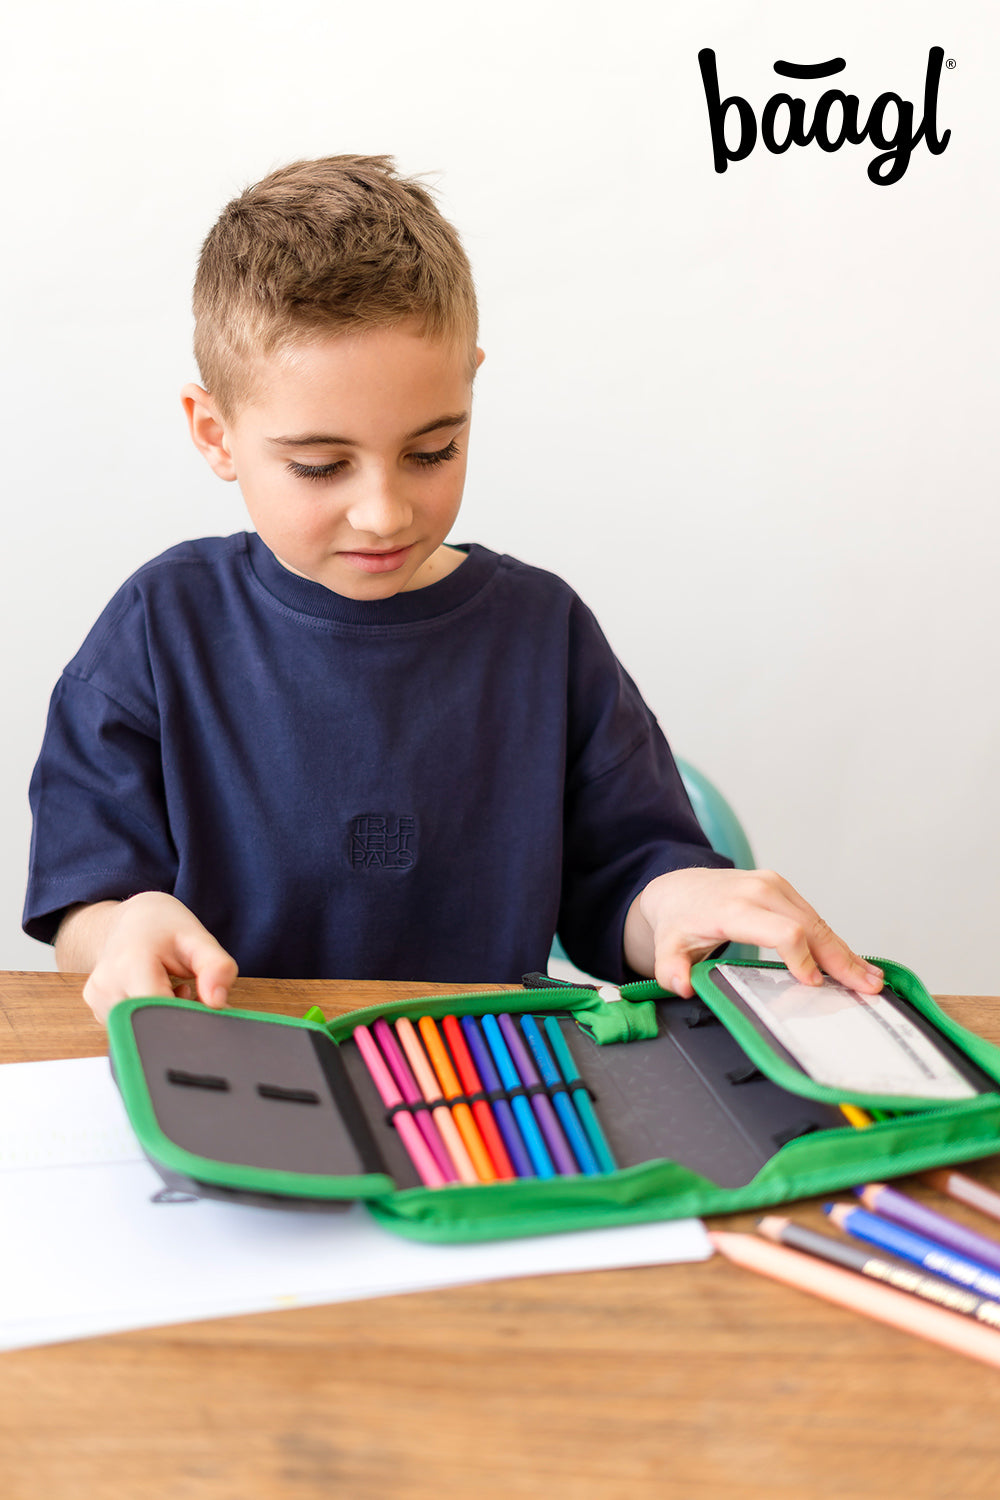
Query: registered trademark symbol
x,y
951,63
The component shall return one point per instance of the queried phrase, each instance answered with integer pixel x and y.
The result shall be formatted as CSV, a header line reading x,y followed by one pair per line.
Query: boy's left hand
x,y
683,916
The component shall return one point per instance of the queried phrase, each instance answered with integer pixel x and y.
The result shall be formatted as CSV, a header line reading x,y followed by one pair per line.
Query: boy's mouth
x,y
376,562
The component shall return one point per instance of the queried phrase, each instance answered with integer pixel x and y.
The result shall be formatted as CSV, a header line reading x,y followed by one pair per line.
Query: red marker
x,y
472,1084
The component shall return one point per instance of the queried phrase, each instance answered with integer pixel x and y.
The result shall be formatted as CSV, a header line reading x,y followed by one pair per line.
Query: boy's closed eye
x,y
327,471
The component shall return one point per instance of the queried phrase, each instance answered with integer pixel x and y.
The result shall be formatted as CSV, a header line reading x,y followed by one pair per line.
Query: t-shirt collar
x,y
310,598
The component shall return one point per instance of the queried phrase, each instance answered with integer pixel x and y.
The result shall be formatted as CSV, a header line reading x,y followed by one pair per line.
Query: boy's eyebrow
x,y
319,439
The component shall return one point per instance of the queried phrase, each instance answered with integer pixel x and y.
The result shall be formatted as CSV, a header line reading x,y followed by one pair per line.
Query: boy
x,y
341,746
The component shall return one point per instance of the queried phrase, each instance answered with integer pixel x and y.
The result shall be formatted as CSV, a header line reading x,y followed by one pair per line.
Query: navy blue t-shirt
x,y
424,787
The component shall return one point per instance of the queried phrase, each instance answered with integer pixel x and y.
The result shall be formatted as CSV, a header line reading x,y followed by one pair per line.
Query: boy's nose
x,y
378,510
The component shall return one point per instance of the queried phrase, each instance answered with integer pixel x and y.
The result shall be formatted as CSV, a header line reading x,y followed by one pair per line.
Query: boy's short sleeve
x,y
100,829
628,817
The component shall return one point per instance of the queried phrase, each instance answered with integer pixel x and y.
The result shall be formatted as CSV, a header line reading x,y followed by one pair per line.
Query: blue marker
x,y
523,1113
581,1098
501,1107
564,1108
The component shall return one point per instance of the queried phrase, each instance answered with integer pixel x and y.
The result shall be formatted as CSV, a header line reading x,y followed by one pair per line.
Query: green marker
x,y
581,1098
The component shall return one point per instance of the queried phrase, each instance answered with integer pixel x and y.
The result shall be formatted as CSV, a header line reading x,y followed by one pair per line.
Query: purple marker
x,y
407,1085
490,1080
541,1103
906,1211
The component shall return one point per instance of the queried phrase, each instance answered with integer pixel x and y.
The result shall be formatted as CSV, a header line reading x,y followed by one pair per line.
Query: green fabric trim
x,y
823,1162
902,980
605,1020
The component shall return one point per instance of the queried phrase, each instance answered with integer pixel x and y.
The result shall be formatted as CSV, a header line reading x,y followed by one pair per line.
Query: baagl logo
x,y
836,118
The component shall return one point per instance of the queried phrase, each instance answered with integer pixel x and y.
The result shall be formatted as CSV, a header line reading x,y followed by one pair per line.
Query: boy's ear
x,y
208,431
480,356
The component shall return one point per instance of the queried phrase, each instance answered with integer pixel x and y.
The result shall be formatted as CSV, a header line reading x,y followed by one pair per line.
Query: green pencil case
x,y
705,1104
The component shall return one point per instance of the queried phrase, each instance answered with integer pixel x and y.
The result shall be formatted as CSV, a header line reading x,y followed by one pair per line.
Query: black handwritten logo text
x,y
836,118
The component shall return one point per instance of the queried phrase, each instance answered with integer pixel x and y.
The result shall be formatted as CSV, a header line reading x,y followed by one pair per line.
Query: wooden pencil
x,y
965,1190
846,1289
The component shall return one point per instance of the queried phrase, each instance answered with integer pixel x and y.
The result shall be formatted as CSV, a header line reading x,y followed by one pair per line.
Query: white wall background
x,y
750,417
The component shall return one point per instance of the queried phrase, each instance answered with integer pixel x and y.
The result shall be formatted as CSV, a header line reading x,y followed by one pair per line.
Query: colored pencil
x,y
523,1113
509,1129
575,1133
917,1283
902,1209
859,1118
407,1085
847,1290
540,1103
416,1147
472,1084
914,1247
581,1098
451,1088
965,1190
440,1112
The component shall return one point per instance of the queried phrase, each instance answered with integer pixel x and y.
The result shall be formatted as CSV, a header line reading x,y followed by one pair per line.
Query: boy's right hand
x,y
150,944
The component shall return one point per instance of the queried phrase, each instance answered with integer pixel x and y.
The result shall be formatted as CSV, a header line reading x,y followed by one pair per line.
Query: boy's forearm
x,y
81,936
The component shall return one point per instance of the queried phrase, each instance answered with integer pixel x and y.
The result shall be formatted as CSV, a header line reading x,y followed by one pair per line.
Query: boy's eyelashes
x,y
327,471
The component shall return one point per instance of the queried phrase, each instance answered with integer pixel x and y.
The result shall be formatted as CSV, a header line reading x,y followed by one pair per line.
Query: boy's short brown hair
x,y
329,246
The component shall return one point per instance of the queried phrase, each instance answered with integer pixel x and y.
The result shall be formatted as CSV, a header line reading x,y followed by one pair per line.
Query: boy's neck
x,y
440,563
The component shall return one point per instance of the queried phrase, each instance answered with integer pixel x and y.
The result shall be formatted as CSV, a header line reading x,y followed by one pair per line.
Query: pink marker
x,y
407,1086
431,1090
427,1168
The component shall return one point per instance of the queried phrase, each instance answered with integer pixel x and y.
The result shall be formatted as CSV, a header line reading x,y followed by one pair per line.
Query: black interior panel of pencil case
x,y
979,1080
254,1093
692,1095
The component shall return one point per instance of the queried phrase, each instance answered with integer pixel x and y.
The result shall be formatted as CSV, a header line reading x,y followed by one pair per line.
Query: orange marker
x,y
448,1080
472,1084
428,1085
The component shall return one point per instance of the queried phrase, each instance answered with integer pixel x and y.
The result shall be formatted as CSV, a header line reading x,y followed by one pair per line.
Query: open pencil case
x,y
704,1104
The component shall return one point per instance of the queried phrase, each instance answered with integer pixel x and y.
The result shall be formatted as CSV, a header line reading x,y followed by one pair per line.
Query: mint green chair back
x,y
724,832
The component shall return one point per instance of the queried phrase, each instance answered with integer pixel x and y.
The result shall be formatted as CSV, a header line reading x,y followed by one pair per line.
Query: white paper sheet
x,y
85,1250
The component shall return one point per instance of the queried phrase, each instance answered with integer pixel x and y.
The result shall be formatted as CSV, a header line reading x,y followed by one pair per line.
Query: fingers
x,y
692,911
111,982
215,978
155,946
813,946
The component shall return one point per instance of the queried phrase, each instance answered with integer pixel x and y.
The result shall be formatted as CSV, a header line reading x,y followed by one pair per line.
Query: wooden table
x,y
691,1381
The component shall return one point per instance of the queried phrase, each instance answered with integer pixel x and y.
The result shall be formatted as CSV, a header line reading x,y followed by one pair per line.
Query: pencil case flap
x,y
243,1102
974,1061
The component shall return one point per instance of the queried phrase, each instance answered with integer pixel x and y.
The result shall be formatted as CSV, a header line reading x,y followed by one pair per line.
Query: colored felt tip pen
x,y
473,1084
509,1128
416,1147
540,1102
407,1085
451,1088
528,1126
441,1114
564,1107
581,1097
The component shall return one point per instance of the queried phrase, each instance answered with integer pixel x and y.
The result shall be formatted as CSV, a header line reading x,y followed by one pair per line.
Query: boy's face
x,y
351,458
